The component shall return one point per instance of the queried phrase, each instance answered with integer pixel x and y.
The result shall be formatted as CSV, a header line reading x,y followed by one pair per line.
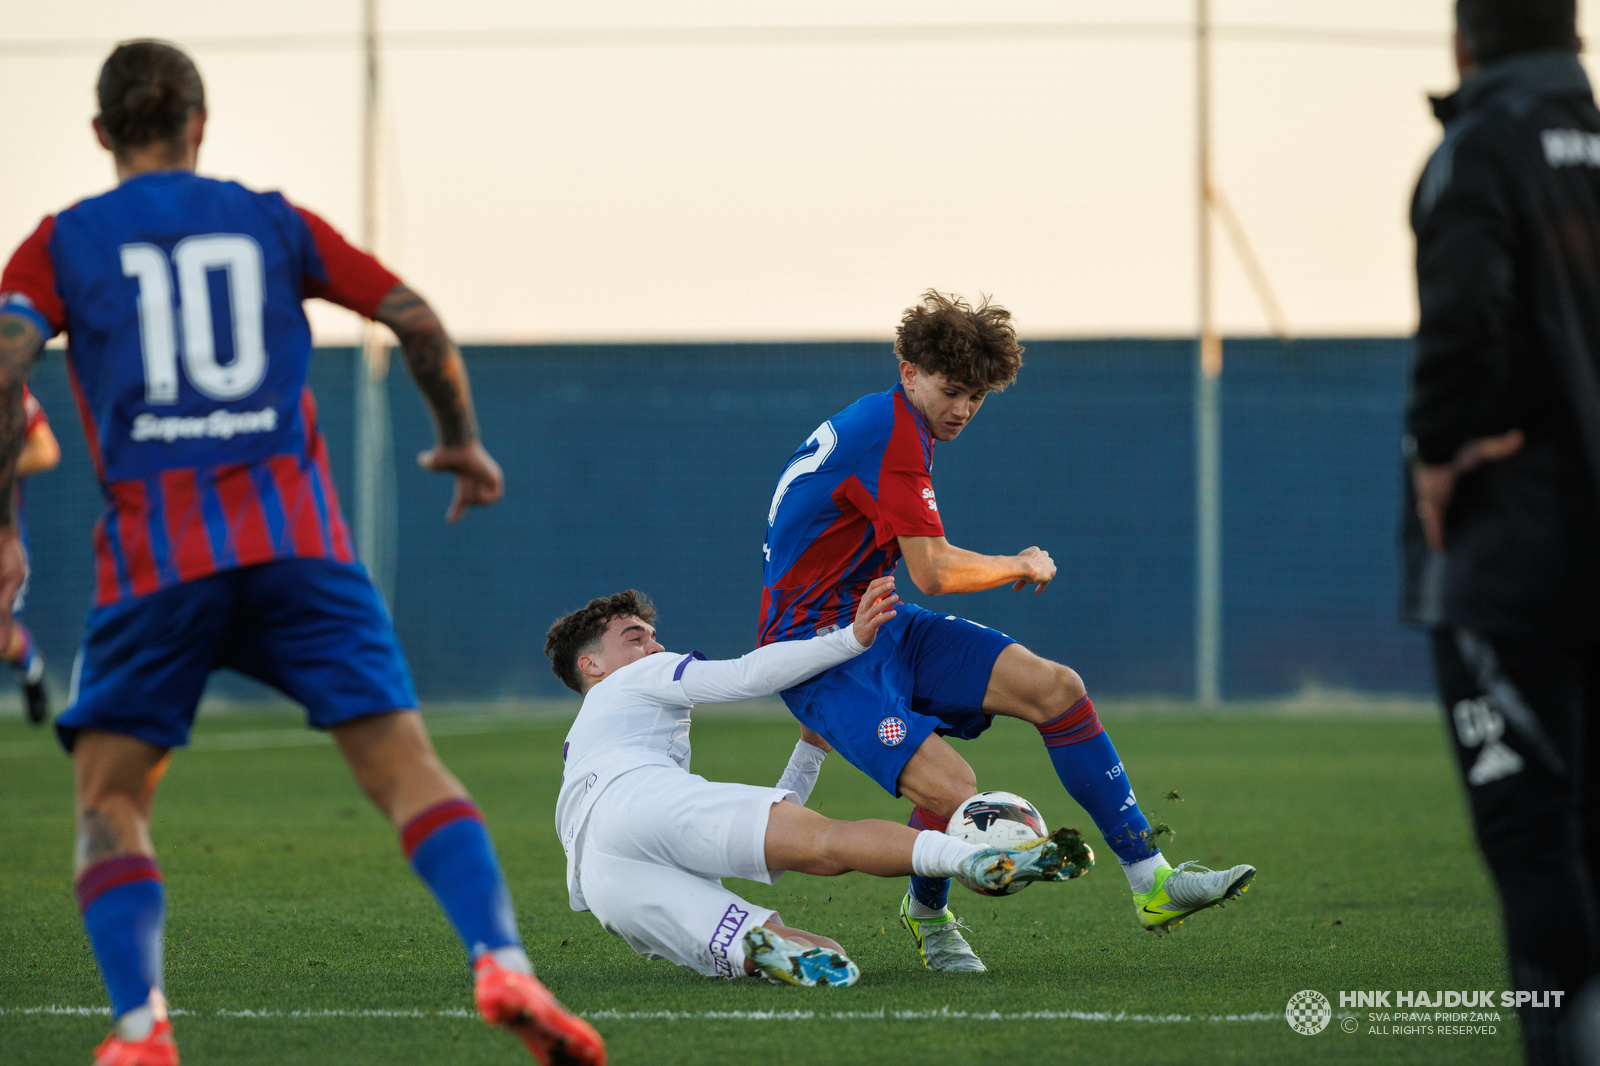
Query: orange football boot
x,y
157,1049
554,1035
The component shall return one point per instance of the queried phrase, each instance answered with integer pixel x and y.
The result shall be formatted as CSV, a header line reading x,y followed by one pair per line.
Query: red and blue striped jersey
x,y
188,350
861,480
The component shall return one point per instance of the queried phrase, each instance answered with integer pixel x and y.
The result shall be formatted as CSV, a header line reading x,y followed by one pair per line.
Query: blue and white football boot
x,y
1061,856
794,963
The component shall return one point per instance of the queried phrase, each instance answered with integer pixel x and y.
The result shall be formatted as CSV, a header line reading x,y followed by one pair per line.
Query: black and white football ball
x,y
998,820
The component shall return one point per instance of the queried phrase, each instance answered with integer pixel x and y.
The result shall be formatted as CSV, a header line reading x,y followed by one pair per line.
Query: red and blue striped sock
x,y
931,892
1087,764
449,848
124,906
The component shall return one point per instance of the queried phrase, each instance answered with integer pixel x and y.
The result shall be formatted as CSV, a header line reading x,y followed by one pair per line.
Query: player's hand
x,y
1041,570
876,608
812,737
479,482
1435,485
13,572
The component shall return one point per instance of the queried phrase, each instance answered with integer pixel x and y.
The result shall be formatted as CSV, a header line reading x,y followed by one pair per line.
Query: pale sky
x,y
546,184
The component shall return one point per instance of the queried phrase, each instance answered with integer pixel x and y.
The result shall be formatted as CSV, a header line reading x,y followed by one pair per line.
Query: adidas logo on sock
x,y
1129,802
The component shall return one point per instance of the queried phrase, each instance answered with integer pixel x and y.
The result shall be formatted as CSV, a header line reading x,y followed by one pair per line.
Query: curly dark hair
x,y
1494,29
972,346
147,91
571,635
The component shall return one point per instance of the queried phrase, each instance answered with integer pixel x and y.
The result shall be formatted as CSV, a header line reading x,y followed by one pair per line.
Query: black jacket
x,y
1507,221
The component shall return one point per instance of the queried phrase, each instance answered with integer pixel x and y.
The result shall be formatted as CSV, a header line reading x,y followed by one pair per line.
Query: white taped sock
x,y
137,1023
1142,874
513,958
936,855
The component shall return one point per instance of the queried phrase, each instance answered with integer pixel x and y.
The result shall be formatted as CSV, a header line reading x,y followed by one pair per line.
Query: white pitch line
x,y
943,1014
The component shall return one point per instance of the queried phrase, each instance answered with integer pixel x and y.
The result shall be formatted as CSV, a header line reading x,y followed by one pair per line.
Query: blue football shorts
x,y
925,673
314,629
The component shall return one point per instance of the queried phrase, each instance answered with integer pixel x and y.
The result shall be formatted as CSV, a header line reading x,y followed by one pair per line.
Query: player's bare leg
x,y
801,840
816,940
1027,686
119,890
443,835
937,779
804,841
393,761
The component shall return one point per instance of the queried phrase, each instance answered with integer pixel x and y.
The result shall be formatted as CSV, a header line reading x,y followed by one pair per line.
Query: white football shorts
x,y
652,855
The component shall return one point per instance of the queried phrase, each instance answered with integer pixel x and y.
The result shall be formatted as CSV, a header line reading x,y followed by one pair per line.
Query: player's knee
x,y
1070,685
952,792
1062,690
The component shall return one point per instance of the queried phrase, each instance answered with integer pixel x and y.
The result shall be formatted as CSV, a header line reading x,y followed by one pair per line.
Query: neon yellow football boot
x,y
939,941
1182,890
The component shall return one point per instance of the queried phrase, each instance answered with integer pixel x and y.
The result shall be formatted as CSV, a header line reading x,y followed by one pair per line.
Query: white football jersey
x,y
639,716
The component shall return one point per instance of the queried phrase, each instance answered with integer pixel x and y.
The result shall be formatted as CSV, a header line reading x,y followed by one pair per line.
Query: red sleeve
x,y
351,278
906,505
34,410
29,282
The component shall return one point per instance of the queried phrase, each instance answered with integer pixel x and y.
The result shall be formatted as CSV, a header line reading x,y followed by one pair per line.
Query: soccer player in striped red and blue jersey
x,y
855,500
222,544
40,452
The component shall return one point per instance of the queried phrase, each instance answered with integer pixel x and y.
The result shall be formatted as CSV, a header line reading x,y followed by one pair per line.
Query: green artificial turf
x,y
287,892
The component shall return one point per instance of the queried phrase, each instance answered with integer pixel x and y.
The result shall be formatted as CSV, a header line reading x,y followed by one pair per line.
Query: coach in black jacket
x,y
1502,522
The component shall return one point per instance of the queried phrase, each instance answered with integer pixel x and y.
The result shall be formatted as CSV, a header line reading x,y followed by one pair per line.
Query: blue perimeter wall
x,y
652,466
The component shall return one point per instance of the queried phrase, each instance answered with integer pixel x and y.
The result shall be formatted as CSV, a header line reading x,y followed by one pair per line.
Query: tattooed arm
x,y
20,346
441,375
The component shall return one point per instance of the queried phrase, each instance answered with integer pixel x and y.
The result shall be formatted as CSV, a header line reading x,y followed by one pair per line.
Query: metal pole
x,y
1208,396
376,517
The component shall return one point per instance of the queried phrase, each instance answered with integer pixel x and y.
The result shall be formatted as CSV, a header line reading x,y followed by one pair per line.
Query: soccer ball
x,y
998,820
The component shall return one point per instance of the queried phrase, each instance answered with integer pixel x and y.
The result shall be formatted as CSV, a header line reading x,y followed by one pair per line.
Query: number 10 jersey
x,y
188,351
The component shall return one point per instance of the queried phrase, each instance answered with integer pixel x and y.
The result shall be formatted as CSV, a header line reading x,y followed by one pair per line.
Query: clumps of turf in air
x,y
1072,848
1172,795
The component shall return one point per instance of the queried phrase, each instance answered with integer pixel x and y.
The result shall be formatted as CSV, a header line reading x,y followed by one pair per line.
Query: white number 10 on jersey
x,y
193,258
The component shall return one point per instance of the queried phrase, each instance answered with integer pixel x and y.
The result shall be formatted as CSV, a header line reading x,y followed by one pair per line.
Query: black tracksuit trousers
x,y
1524,713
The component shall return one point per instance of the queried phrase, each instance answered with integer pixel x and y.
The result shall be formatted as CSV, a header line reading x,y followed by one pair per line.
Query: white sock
x,y
1142,874
137,1023
513,958
936,855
